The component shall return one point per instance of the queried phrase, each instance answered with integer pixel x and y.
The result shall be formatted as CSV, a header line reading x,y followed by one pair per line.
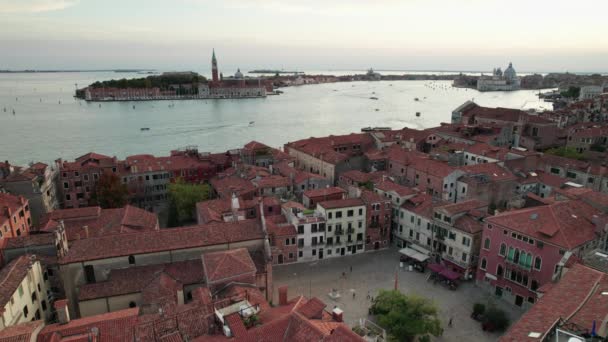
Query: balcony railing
x,y
524,267
339,231
350,230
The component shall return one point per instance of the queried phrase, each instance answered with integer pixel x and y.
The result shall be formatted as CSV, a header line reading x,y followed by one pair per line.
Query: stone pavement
x,y
373,271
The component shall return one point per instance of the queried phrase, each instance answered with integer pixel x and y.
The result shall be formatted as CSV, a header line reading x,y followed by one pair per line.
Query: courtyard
x,y
374,271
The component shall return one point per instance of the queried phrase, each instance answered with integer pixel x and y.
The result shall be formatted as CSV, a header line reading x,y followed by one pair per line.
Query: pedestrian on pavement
x,y
353,295
450,322
351,269
344,275
368,295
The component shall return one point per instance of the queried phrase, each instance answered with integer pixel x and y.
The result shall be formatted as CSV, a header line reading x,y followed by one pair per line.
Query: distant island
x,y
85,70
182,85
270,71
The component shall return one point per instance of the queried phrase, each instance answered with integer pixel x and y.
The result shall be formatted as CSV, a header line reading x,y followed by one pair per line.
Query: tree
x,y
405,317
567,152
110,192
182,201
495,320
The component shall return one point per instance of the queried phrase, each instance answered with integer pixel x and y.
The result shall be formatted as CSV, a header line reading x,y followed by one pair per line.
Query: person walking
x,y
354,294
351,269
450,322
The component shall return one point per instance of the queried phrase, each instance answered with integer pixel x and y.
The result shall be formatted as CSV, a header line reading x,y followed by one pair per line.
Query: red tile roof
x,y
460,207
323,148
503,114
14,203
322,192
280,229
565,223
223,265
494,171
482,149
313,308
111,327
469,224
273,181
226,186
422,204
12,275
100,222
577,298
162,240
342,203
134,279
388,185
22,332
27,241
255,145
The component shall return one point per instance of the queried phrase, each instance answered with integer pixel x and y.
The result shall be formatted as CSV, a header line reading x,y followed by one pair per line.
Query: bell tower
x,y
214,71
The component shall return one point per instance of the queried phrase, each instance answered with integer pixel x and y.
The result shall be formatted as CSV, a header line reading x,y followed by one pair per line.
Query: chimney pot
x,y
63,313
337,314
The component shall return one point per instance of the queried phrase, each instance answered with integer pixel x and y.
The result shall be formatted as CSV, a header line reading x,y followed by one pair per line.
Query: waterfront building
x,y
590,91
310,227
330,156
499,80
23,294
521,128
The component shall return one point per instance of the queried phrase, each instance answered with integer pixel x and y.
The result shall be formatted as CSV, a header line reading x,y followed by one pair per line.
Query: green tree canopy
x,y
110,192
568,152
405,317
182,201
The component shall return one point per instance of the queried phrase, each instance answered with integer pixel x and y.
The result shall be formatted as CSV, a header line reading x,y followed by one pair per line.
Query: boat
x,y
372,129
417,113
373,98
377,109
416,99
144,129
251,123
133,106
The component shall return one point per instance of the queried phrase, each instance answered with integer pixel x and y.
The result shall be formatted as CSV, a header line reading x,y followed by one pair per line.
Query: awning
x,y
449,274
414,254
435,268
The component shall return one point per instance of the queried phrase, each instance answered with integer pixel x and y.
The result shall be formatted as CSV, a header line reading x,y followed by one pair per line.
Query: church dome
x,y
510,73
238,74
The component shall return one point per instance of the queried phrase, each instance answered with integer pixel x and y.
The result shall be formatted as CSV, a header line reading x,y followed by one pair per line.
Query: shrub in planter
x,y
478,311
495,320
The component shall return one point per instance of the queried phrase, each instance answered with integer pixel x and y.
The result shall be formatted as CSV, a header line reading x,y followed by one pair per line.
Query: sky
x,y
463,35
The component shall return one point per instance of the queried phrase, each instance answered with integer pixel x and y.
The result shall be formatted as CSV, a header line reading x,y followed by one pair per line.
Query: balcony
x,y
339,232
524,267
350,230
374,224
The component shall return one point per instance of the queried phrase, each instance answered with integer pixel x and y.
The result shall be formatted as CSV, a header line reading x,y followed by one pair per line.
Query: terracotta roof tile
x,y
227,264
565,223
162,240
12,275
342,203
577,298
321,192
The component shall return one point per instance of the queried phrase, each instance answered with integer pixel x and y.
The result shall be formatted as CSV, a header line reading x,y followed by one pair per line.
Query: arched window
x,y
516,256
503,249
522,259
483,264
499,271
537,263
486,243
131,260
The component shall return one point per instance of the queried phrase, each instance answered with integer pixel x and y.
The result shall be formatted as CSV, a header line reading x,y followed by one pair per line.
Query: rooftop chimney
x,y
337,314
63,313
283,295
86,231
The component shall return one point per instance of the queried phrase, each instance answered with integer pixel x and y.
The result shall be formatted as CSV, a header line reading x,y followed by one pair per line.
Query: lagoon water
x,y
49,123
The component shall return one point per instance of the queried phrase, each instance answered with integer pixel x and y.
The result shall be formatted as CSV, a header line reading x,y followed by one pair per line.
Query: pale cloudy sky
x,y
537,35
